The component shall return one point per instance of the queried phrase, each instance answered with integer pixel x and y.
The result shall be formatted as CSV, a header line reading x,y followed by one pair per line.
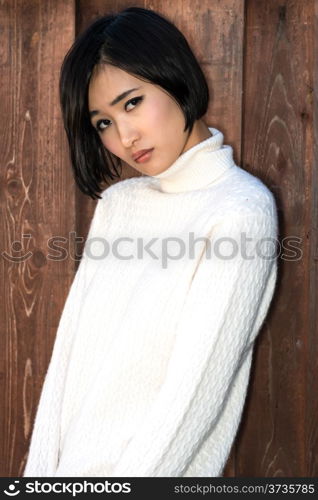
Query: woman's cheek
x,y
110,144
155,112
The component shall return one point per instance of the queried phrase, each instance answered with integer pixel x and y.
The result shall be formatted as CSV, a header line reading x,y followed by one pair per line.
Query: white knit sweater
x,y
151,361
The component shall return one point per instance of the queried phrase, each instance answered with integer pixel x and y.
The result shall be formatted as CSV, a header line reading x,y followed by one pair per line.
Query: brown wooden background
x,y
260,58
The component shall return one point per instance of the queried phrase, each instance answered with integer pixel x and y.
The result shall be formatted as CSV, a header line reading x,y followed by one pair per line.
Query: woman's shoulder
x,y
121,194
246,194
114,201
126,186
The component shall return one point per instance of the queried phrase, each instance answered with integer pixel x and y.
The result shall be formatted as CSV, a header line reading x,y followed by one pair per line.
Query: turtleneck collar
x,y
199,166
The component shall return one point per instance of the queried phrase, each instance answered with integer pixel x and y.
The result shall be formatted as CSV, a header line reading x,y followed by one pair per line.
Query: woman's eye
x,y
133,102
100,125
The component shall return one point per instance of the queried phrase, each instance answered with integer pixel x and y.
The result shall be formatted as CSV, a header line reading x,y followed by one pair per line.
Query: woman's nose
x,y
128,134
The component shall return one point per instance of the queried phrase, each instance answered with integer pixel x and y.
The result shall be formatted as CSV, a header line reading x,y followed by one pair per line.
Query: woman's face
x,y
143,117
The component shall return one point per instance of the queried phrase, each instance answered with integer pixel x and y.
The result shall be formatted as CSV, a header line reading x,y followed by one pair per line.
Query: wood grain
x,y
311,338
37,203
277,146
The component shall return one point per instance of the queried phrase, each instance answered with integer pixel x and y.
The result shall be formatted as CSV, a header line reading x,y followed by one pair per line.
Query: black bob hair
x,y
144,44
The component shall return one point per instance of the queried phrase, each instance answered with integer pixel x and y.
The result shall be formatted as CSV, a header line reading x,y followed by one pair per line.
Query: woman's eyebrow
x,y
115,101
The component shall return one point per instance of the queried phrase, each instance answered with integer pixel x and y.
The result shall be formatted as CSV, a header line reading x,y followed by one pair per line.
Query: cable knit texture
x,y
152,357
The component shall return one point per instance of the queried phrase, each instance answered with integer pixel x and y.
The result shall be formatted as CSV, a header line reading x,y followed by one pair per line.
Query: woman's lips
x,y
145,156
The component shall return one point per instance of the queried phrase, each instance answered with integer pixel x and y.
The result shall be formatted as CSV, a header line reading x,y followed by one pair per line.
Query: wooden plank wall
x,y
258,56
37,199
279,437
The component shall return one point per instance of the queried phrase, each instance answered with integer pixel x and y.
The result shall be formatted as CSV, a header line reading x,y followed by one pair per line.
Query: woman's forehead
x,y
111,76
111,81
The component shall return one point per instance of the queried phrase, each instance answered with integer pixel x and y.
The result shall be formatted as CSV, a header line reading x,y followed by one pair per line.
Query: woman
x,y
151,362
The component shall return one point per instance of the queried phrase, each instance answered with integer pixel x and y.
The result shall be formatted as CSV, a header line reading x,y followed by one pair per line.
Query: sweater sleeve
x,y
226,304
43,450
